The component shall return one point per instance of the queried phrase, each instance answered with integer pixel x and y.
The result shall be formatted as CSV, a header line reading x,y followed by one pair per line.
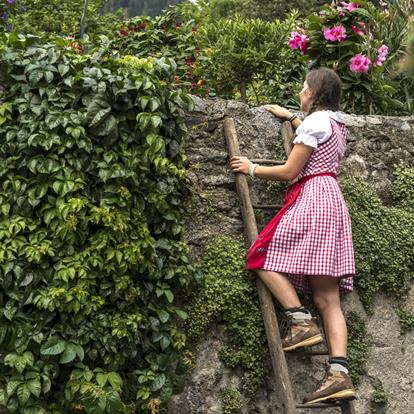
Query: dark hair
x,y
326,87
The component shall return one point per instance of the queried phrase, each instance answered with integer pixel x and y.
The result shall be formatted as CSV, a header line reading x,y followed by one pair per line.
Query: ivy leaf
x,y
100,117
158,382
34,386
63,69
183,315
54,346
163,315
115,380
23,394
35,76
101,379
3,397
69,354
12,386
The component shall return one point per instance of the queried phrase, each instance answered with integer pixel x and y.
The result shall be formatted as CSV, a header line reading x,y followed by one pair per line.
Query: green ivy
x,y
92,254
383,237
406,319
358,346
232,401
229,296
378,398
403,187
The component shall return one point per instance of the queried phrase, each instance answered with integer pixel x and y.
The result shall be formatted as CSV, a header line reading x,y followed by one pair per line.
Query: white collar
x,y
332,114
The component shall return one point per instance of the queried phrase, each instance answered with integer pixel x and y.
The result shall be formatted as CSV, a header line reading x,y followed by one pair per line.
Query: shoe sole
x,y
340,395
317,339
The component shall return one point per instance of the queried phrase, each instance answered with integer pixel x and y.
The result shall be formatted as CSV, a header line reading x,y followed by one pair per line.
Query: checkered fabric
x,y
314,236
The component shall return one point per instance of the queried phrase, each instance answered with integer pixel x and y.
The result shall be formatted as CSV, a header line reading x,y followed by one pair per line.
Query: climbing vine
x,y
383,236
358,346
92,250
228,296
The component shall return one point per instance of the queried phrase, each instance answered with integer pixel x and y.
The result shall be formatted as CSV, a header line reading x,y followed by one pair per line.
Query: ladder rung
x,y
266,161
267,206
327,405
309,353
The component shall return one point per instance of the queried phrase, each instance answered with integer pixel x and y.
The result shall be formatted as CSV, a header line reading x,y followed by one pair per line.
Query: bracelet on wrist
x,y
252,169
292,118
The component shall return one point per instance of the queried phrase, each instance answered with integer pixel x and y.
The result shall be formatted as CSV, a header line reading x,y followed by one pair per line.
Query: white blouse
x,y
316,128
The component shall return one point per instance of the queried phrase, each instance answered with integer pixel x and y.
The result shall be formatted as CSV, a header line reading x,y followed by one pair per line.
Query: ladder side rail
x,y
279,365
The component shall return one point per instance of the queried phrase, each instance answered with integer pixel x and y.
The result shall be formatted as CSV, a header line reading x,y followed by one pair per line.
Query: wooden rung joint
x,y
267,161
315,406
309,353
267,206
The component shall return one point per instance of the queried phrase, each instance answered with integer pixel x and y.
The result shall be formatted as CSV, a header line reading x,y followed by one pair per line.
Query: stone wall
x,y
375,145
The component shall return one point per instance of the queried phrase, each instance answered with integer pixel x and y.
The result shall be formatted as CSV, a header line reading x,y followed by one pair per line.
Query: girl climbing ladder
x,y
308,244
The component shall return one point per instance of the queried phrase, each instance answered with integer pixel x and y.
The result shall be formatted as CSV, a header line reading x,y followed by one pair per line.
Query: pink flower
x,y
382,55
359,28
335,34
349,6
299,41
359,63
341,14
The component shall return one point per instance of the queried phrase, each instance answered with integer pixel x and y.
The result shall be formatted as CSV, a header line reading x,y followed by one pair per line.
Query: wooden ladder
x,y
279,365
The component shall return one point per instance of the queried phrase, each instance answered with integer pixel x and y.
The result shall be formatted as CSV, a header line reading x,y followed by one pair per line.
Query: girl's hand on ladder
x,y
240,164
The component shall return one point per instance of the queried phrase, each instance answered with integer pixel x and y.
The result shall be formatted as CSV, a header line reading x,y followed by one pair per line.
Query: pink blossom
x,y
349,6
335,34
359,63
359,28
341,14
299,41
382,55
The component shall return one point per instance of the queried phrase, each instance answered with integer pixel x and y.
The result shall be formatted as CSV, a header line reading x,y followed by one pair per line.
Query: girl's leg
x,y
326,298
281,288
337,384
302,330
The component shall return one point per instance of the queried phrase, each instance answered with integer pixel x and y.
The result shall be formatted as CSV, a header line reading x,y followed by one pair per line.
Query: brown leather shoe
x,y
336,386
300,334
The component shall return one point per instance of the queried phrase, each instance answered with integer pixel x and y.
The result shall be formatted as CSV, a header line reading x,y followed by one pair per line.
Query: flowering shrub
x,y
173,34
248,55
343,36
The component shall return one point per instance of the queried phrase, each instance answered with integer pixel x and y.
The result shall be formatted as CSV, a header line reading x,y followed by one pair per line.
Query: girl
x,y
308,244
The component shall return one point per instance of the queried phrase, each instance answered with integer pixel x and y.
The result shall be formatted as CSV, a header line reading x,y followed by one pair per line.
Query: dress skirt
x,y
312,237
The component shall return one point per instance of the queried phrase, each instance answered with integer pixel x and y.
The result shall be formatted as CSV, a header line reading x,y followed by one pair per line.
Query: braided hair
x,y
326,87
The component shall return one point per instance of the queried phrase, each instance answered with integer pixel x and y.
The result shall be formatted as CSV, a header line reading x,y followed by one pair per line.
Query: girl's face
x,y
305,96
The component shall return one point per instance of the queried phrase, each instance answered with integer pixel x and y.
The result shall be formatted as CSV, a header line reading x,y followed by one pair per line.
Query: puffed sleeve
x,y
314,130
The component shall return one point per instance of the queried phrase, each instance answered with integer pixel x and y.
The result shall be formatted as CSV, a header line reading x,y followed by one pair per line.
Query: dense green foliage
x,y
249,59
173,34
248,55
406,319
378,398
139,7
358,346
267,10
92,250
383,237
395,32
231,400
228,296
408,62
63,17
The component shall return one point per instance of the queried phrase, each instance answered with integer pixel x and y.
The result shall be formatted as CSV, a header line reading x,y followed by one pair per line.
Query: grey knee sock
x,y
298,314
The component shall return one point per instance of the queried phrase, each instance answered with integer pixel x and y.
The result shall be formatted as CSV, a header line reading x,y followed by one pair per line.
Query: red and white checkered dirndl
x,y
311,235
